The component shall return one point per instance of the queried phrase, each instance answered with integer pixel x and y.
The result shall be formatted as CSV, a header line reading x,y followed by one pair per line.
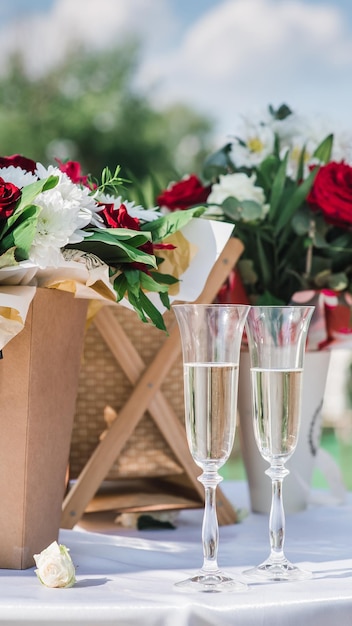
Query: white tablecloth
x,y
126,577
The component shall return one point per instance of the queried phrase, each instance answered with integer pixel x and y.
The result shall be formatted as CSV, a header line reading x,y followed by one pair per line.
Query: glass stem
x,y
277,514
210,528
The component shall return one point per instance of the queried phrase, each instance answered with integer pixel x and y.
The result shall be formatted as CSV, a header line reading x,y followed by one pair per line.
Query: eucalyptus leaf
x,y
244,210
247,271
301,221
338,282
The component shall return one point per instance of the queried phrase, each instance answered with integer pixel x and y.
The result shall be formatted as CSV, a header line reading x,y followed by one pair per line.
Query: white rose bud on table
x,y
55,567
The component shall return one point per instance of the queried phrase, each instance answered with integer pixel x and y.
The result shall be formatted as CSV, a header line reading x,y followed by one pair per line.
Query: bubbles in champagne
x,y
276,406
210,408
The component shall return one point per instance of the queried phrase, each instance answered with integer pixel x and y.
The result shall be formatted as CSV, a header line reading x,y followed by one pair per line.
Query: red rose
x,y
73,171
184,194
9,196
331,193
18,161
118,218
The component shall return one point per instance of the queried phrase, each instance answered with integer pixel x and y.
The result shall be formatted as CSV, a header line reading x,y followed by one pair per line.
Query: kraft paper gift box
x,y
38,387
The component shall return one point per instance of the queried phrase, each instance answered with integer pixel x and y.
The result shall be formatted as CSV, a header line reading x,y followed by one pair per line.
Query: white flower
x,y
79,197
241,187
17,176
55,567
64,211
257,142
145,215
296,132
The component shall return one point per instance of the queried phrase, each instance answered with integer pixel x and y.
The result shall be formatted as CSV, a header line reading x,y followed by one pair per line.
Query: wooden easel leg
x,y
160,409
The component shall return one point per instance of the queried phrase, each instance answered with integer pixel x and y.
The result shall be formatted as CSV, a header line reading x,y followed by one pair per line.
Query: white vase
x,y
297,484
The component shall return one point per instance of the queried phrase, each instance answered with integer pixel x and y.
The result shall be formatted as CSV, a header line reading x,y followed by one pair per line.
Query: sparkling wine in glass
x,y
211,339
276,341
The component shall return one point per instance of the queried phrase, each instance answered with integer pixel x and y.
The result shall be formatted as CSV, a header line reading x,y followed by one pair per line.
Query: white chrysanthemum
x,y
259,143
134,210
65,211
17,176
79,197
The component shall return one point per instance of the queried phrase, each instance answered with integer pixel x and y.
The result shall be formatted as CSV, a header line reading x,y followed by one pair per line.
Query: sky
x,y
226,58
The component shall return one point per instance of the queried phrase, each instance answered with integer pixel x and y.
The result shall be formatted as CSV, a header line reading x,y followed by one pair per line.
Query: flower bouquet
x,y
286,185
58,227
67,240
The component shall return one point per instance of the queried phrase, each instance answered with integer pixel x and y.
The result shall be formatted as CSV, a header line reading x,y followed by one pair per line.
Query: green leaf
x,y
265,269
146,310
324,150
120,286
267,171
138,191
171,223
267,299
165,300
296,200
218,163
149,284
247,271
301,221
230,207
152,312
22,231
30,192
116,246
278,188
245,210
338,282
166,279
281,113
301,163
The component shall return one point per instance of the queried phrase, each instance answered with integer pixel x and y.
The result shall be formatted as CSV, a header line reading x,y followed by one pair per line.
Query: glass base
x,y
276,571
211,583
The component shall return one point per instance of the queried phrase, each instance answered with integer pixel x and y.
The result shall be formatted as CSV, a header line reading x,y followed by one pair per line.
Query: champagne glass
x,y
276,340
211,339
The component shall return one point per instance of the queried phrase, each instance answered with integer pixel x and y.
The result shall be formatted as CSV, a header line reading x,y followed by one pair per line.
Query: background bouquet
x,y
286,184
54,220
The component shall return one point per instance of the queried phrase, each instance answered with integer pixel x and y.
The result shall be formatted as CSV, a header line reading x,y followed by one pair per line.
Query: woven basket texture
x,y
103,384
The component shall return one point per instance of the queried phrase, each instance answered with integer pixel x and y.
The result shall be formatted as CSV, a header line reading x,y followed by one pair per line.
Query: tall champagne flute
x,y
211,339
276,341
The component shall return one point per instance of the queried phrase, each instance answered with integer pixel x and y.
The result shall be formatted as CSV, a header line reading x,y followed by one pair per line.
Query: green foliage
x,y
291,248
87,109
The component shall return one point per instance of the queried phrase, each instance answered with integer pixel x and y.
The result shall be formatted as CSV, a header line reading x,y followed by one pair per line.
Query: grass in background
x,y
340,450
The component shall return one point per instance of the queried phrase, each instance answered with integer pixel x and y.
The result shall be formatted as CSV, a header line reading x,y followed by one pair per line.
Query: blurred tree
x,y
87,109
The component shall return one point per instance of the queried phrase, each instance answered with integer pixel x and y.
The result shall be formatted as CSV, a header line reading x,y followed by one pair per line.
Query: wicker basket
x,y
103,384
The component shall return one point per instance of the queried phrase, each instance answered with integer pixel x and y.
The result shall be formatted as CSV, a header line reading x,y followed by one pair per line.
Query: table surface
x,y
126,577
